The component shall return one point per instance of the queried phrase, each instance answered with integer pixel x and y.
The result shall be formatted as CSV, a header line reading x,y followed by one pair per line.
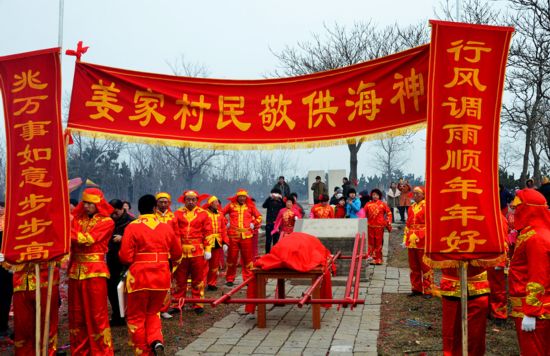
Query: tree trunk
x,y
536,162
353,149
525,168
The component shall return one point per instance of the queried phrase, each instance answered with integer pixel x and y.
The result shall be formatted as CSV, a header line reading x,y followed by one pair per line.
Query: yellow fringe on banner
x,y
249,146
456,263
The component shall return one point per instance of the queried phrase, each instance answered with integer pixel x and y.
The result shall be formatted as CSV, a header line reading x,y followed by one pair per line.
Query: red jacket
x,y
89,244
146,246
240,218
194,229
375,211
24,276
415,230
320,211
219,228
529,276
478,283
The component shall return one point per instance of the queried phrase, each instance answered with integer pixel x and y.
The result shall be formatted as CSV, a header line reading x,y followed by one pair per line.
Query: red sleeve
x,y
278,220
223,229
206,228
538,279
388,213
409,216
174,224
175,246
127,246
331,214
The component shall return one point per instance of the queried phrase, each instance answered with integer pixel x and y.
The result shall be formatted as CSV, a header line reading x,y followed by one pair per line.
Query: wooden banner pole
x,y
464,305
38,310
46,338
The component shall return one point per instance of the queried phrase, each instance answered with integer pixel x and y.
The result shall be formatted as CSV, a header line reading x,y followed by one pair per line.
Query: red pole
x,y
273,301
351,267
226,296
358,274
309,291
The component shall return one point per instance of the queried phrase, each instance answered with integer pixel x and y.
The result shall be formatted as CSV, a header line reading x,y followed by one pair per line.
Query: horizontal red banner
x,y
467,64
381,95
37,201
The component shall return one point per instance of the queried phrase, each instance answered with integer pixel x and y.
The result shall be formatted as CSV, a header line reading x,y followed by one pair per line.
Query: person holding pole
x,y
529,273
91,230
147,246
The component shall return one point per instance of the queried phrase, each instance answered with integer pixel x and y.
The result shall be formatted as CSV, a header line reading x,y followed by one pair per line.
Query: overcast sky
x,y
232,39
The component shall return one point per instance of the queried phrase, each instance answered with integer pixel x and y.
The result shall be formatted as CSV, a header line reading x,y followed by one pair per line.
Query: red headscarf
x,y
95,196
191,193
531,210
242,192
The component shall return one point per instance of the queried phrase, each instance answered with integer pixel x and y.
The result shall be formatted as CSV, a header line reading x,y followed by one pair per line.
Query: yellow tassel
x,y
249,146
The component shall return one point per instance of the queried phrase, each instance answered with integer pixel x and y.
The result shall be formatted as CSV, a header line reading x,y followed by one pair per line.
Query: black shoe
x,y
427,296
229,284
500,322
414,294
117,322
158,348
211,288
199,311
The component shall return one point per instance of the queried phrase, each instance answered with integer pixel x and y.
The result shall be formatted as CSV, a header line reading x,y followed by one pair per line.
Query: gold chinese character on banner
x,y
33,251
32,203
473,46
147,104
468,238
408,87
463,133
469,106
35,176
462,213
191,109
32,228
27,79
463,160
231,106
367,103
31,129
468,76
30,105
274,113
104,99
462,186
36,154
324,110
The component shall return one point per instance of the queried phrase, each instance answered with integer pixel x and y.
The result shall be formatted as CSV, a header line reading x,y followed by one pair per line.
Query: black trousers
x,y
6,292
115,269
402,212
269,239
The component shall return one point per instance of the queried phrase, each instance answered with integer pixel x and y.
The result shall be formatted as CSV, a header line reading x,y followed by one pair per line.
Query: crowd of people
x,y
153,257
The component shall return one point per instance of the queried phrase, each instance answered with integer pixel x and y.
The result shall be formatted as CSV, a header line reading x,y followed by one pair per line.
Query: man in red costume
x,y
379,217
24,307
244,218
219,243
91,230
478,306
163,211
322,210
147,246
529,277
193,226
498,300
414,240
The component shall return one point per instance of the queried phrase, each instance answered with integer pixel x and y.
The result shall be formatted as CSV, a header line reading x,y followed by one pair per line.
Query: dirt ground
x,y
412,326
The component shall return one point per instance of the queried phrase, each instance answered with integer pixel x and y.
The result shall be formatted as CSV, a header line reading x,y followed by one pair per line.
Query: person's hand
x,y
207,255
225,248
252,226
403,245
2,259
117,238
528,323
295,218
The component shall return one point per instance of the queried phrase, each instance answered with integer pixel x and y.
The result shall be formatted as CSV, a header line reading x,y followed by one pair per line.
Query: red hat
x,y
531,209
188,193
96,197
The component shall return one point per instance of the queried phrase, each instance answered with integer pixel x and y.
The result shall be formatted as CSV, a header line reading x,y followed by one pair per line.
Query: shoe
x,y
199,311
500,322
158,348
414,294
166,315
427,296
117,322
212,288
229,284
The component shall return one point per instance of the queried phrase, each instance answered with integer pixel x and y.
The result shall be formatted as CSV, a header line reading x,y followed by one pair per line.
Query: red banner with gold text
x,y
37,202
467,65
328,107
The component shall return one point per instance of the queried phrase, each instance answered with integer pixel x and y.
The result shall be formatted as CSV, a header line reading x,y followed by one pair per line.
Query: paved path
x,y
288,332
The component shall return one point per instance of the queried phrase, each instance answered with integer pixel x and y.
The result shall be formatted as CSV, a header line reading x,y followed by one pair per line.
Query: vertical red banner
x,y
467,66
37,201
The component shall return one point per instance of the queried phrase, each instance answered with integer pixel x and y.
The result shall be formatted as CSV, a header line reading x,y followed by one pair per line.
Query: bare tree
x,y
390,155
340,46
470,11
